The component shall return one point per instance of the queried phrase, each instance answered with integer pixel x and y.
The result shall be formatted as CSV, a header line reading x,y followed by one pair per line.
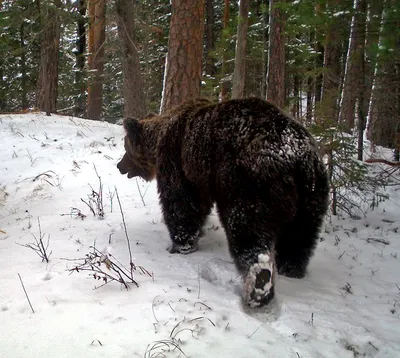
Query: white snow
x,y
348,305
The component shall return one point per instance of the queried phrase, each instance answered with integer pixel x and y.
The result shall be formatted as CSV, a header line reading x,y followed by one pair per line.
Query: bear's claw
x,y
182,249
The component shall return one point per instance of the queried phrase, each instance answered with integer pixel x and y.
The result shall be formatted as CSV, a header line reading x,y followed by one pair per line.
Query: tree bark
x,y
276,56
97,36
239,74
134,98
46,93
182,78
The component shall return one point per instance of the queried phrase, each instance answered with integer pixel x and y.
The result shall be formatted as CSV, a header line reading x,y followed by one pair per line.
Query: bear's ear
x,y
133,128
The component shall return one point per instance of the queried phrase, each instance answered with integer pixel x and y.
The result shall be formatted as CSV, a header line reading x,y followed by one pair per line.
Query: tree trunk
x,y
80,60
352,79
182,78
375,8
97,36
362,114
239,74
46,93
384,111
319,62
24,78
134,98
224,82
328,109
296,97
210,39
276,55
309,104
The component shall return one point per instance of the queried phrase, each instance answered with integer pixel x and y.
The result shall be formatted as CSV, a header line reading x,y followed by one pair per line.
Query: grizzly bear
x,y
259,166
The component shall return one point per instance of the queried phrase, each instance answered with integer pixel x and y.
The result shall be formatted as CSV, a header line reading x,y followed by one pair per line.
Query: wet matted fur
x,y
259,166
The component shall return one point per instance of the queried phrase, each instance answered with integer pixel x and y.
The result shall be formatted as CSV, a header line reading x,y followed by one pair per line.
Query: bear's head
x,y
138,159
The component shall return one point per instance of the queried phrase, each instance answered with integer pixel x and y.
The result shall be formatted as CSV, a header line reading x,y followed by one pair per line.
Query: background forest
x,y
333,64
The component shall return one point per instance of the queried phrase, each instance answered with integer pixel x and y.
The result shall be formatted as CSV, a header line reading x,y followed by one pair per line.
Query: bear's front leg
x,y
184,214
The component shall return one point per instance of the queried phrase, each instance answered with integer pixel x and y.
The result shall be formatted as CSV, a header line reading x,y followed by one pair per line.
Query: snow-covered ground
x,y
347,306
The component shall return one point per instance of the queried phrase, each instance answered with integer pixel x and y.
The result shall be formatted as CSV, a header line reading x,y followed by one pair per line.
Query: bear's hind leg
x,y
295,245
184,215
252,246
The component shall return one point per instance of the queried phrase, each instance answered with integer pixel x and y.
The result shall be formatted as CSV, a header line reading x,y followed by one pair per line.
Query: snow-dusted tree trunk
x,y
352,77
331,76
80,78
239,73
182,78
276,55
224,81
384,109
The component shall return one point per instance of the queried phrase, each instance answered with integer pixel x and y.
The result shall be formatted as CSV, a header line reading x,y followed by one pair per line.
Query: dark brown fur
x,y
259,166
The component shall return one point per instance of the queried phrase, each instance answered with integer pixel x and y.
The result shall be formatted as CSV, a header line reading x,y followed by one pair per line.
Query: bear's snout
x,y
123,165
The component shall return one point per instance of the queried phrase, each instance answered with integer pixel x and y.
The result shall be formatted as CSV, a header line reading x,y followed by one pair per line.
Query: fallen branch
x,y
26,294
381,241
383,161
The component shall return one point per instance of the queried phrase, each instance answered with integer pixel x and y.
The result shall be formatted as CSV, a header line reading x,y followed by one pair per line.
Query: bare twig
x,y
111,272
38,247
153,349
140,192
381,241
95,198
26,294
126,231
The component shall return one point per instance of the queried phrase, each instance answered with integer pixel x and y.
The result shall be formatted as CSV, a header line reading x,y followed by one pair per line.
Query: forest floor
x,y
347,306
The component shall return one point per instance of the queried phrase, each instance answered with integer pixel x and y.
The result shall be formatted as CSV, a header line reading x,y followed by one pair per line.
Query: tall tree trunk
x,y
239,73
265,23
276,55
224,82
134,98
309,108
210,38
384,111
296,96
182,79
328,111
319,62
375,8
352,74
46,93
24,78
362,108
97,37
80,103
